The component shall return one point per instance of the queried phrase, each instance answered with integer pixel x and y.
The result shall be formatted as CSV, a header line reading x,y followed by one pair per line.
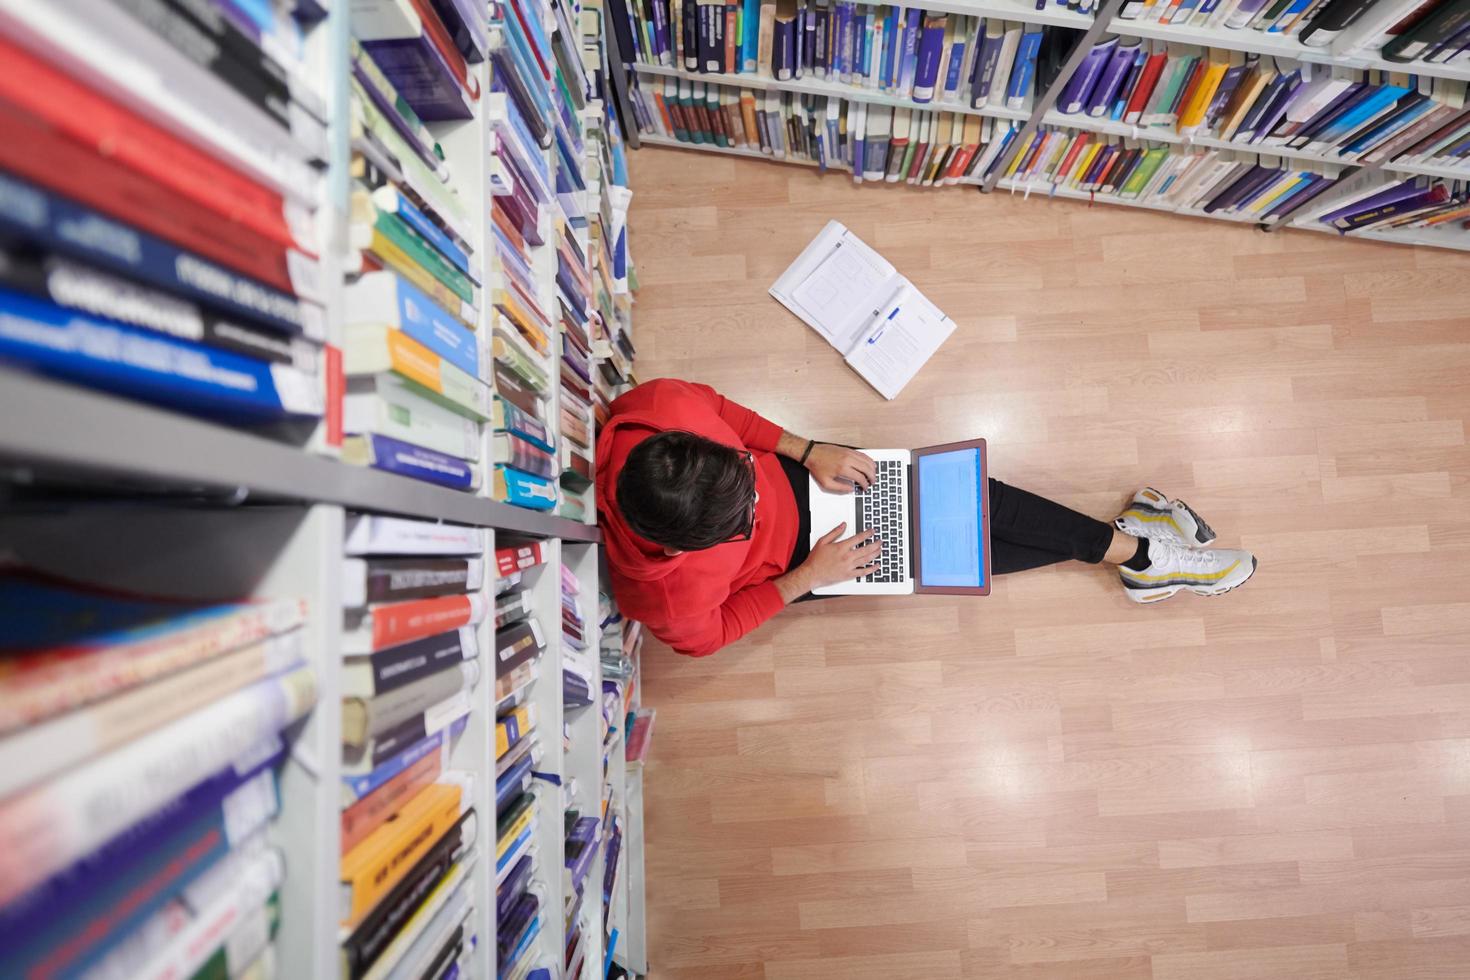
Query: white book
x,y
40,751
1001,80
379,534
882,325
47,827
226,902
386,404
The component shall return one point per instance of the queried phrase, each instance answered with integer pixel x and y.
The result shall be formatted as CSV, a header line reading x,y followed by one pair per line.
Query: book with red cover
x,y
391,624
91,119
37,152
1147,79
510,559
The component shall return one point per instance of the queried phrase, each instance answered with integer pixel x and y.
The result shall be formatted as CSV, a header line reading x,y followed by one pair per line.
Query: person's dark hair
x,y
686,492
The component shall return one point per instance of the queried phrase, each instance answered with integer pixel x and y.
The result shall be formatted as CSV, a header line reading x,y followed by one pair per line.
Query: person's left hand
x,y
838,469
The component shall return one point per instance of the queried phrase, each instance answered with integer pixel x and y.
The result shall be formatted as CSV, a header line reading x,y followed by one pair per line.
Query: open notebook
x,y
848,293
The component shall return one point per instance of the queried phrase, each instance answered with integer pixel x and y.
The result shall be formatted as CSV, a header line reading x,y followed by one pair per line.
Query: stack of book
x,y
581,848
158,233
1395,30
1407,204
413,594
139,742
900,52
578,670
519,648
613,277
417,388
524,126
927,148
574,285
1225,183
1339,114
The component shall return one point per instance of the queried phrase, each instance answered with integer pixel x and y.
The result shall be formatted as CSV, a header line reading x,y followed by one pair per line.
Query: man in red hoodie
x,y
703,508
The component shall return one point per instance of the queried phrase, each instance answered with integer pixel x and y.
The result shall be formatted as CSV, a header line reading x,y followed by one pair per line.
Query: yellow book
x,y
1193,113
373,867
508,303
387,251
511,727
747,118
1283,184
374,348
765,37
509,349
1084,163
508,838
1246,93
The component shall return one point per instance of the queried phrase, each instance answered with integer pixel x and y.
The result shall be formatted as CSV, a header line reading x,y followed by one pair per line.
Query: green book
x,y
1153,158
396,231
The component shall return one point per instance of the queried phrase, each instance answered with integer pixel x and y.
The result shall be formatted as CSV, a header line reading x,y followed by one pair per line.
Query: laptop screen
x,y
950,519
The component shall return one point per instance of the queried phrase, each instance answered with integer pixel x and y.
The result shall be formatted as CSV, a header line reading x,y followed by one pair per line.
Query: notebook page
x,y
812,312
844,290
909,331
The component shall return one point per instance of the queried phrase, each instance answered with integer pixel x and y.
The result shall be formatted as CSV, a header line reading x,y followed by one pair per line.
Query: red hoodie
x,y
701,600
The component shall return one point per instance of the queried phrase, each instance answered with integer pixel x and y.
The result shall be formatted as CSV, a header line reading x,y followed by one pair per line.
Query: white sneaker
x,y
1152,515
1203,571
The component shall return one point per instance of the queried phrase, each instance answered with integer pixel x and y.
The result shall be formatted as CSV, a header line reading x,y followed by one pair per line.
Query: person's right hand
x,y
836,559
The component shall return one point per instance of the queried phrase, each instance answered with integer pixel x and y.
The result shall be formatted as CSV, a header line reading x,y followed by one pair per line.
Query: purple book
x,y
1076,93
1228,84
983,73
1276,109
514,885
1242,188
1100,100
1389,195
420,75
1363,217
1291,202
1244,14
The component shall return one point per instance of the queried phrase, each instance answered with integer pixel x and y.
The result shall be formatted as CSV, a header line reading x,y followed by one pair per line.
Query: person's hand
x,y
836,559
838,469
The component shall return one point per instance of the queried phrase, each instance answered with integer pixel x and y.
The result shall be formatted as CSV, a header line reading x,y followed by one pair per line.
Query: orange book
x,y
379,861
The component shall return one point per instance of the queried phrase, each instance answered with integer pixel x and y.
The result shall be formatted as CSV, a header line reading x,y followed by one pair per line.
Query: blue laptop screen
x,y
950,516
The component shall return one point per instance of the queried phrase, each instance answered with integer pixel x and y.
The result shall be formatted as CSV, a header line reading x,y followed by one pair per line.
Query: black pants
x,y
1026,531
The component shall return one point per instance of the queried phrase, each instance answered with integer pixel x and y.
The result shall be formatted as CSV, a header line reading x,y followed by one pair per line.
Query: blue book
x,y
355,787
1375,103
33,214
137,363
1100,101
1288,15
420,75
510,890
525,489
509,784
862,44
913,24
890,45
1077,93
1025,69
513,851
75,918
858,146
843,54
387,297
415,462
519,47
750,29
538,34
931,48
956,65
1120,103
1386,127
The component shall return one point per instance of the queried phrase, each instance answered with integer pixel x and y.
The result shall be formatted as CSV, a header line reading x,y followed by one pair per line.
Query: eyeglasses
x,y
754,499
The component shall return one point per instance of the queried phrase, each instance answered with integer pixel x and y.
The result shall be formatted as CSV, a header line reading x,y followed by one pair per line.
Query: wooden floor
x,y
1053,783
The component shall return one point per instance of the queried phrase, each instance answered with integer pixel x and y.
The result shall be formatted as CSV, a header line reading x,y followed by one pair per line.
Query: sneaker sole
x,y
1146,596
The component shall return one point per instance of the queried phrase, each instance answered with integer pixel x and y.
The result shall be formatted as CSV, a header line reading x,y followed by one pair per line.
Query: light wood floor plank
x,y
1051,783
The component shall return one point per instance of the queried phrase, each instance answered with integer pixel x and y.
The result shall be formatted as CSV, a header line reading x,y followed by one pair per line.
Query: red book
x,y
396,623
1078,145
921,151
84,115
1147,79
34,150
518,557
370,812
731,65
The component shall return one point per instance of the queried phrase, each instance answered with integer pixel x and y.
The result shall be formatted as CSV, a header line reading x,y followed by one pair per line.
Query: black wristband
x,y
810,445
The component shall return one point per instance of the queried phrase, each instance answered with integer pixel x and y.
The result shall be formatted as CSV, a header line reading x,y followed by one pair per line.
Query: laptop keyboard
x,y
884,507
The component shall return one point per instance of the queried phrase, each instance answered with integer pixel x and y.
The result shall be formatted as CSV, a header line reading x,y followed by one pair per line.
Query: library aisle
x,y
1053,782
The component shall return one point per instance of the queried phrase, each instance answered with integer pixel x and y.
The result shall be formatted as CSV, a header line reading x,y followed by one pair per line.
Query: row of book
x,y
922,147
583,814
413,596
1400,205
522,871
1225,183
1338,113
158,236
620,654
417,393
901,52
140,742
1427,31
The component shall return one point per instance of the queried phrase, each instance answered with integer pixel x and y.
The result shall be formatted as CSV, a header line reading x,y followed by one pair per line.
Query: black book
x,y
689,33
1440,26
515,645
386,670
1333,19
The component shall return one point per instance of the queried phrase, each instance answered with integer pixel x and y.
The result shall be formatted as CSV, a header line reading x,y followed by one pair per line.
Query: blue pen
x,y
874,339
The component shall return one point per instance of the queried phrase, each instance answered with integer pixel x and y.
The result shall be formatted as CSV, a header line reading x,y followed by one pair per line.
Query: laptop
x,y
931,508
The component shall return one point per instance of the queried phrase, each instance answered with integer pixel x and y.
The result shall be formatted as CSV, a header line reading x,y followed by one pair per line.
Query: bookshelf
x,y
118,489
657,78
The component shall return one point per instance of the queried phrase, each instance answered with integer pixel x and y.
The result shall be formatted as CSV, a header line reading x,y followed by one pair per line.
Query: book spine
x,y
515,452
372,868
524,489
395,580
48,827
365,816
518,558
403,622
385,296
930,48
401,665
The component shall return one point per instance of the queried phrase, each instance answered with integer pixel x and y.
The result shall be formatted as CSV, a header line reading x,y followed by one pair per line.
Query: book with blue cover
x,y
1025,69
930,50
141,364
395,456
524,489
